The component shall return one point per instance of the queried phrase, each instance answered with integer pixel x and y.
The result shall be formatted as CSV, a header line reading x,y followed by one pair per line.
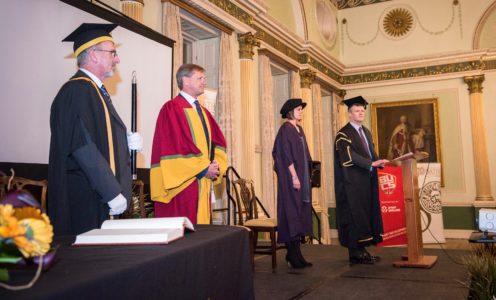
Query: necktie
x,y
199,110
364,142
106,95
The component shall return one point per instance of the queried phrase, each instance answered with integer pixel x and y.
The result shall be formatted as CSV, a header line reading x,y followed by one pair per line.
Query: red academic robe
x,y
179,154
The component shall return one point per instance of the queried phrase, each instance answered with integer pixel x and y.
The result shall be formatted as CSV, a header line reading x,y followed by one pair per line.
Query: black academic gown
x,y
358,213
80,179
294,217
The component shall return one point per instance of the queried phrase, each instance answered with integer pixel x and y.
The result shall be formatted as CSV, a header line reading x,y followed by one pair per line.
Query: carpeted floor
x,y
331,277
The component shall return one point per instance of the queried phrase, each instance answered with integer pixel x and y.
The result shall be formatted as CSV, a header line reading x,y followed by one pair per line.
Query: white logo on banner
x,y
387,183
431,213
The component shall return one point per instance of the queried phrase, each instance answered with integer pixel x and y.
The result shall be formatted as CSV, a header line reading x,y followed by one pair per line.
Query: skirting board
x,y
448,233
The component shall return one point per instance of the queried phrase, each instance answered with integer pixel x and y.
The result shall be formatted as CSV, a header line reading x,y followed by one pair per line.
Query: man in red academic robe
x,y
188,154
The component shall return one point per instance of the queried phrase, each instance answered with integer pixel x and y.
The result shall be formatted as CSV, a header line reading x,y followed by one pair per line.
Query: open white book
x,y
418,155
404,157
136,231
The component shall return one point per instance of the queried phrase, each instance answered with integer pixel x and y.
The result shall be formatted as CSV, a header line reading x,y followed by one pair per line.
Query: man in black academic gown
x,y
358,212
89,172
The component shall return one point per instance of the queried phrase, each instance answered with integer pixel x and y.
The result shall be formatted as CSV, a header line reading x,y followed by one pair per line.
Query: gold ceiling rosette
x,y
397,22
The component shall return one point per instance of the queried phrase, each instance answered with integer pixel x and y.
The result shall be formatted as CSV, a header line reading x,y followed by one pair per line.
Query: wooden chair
x,y
248,207
35,187
4,180
138,191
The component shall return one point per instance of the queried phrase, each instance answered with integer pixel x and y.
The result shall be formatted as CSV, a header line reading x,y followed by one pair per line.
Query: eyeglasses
x,y
113,52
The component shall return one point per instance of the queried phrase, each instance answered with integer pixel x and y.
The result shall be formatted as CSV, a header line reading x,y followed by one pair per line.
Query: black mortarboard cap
x,y
291,104
89,34
358,100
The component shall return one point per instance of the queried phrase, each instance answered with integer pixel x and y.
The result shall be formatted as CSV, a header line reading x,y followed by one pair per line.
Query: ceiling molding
x,y
424,61
256,7
212,14
344,4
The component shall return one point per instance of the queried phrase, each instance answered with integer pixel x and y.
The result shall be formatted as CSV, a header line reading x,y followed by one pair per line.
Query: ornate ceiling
x,y
342,4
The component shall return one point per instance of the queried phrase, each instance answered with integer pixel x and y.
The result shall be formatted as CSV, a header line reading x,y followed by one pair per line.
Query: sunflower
x,y
29,212
28,228
36,241
38,231
9,226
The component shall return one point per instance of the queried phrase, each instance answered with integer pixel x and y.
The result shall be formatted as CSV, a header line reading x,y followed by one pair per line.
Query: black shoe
x,y
363,259
300,255
294,263
375,258
292,257
306,263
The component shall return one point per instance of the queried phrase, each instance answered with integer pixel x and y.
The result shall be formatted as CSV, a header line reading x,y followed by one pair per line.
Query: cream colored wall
x,y
314,35
282,12
152,12
363,25
152,15
455,129
115,4
489,97
488,34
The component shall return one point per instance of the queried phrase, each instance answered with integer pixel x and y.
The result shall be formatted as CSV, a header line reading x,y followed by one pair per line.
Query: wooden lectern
x,y
415,257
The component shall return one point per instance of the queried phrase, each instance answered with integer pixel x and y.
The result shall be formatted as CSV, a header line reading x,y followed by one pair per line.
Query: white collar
x,y
191,100
98,82
356,125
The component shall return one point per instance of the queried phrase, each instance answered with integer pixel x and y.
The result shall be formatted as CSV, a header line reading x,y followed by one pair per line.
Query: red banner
x,y
392,203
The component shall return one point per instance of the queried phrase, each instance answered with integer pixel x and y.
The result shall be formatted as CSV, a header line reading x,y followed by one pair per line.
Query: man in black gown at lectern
x,y
358,212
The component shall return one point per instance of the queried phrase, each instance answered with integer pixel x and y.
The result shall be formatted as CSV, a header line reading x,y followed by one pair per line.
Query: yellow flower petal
x,y
6,212
30,229
27,212
37,239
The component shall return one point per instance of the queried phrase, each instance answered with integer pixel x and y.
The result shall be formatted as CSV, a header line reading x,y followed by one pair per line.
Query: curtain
x,y
341,112
225,96
171,28
268,136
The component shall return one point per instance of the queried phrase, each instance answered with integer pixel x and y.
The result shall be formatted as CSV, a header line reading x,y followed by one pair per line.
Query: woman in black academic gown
x,y
294,195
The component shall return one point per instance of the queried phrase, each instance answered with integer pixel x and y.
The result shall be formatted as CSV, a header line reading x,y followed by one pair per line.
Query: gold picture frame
x,y
406,126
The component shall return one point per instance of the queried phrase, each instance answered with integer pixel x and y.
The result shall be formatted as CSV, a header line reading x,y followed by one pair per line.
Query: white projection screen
x,y
35,64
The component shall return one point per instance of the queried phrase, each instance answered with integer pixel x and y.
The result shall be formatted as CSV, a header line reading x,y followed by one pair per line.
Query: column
x,y
246,43
482,176
133,9
321,203
342,110
307,77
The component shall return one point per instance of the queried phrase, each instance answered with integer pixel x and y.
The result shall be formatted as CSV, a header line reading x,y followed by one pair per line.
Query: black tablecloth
x,y
211,263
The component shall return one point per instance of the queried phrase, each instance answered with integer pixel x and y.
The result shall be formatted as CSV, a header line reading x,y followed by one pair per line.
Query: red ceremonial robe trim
x,y
179,153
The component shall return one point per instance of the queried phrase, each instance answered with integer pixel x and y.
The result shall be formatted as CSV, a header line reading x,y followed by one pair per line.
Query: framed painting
x,y
407,126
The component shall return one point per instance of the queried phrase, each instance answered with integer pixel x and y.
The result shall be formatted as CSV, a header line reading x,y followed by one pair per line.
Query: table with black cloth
x,y
213,262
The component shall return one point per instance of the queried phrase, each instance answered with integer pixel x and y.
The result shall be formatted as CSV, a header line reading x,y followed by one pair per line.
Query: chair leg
x,y
255,240
254,246
252,250
273,249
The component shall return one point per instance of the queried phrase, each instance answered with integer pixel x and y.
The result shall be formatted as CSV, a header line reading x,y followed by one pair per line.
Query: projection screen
x,y
35,64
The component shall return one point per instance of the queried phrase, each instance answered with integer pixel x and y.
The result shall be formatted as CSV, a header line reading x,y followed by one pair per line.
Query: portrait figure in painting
x,y
401,139
418,139
406,126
